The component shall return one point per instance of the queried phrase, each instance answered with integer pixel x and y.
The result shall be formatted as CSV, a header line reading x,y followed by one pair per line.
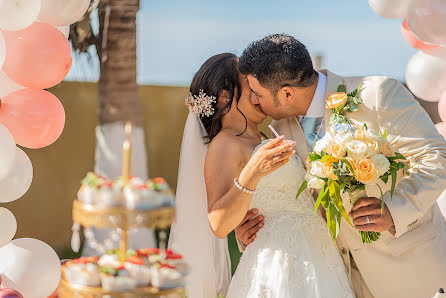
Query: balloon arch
x,y
34,55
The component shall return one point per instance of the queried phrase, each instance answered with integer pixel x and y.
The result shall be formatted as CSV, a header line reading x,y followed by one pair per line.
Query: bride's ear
x,y
224,97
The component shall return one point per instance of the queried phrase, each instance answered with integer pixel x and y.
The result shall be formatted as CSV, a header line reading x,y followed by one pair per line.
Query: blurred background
x,y
148,83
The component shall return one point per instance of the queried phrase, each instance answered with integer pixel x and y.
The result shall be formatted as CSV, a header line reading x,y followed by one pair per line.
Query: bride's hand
x,y
268,158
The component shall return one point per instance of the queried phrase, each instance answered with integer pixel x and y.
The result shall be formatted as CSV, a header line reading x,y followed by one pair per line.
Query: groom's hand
x,y
248,228
371,208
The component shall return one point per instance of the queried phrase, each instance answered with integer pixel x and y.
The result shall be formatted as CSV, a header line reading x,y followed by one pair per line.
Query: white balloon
x,y
427,20
7,151
30,266
18,14
391,9
7,85
2,50
19,179
62,12
426,76
8,226
64,29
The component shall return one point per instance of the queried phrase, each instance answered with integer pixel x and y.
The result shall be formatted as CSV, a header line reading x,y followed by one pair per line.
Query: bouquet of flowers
x,y
346,159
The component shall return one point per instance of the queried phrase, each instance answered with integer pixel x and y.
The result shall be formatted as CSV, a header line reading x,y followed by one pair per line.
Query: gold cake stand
x,y
123,219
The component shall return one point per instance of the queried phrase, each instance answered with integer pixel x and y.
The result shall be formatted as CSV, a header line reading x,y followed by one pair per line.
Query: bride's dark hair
x,y
218,73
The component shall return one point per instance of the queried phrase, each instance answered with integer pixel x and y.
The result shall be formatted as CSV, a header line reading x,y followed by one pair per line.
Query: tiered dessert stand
x,y
123,219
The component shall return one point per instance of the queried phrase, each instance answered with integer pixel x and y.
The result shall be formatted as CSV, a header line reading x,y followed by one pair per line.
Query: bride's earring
x,y
223,99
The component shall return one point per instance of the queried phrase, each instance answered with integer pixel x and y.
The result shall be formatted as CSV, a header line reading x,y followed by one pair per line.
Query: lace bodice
x,y
276,193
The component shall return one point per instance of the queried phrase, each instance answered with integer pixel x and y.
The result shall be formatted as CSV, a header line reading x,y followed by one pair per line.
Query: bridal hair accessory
x,y
200,104
245,190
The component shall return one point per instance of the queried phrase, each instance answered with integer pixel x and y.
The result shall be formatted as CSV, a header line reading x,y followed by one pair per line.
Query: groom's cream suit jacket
x,y
412,262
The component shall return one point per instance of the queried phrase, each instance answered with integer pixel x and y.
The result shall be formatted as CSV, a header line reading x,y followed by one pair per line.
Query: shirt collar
x,y
317,106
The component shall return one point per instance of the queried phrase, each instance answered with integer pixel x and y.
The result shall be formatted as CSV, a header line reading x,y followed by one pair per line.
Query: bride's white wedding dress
x,y
293,254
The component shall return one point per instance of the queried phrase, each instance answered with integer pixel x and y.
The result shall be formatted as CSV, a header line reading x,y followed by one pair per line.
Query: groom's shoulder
x,y
376,81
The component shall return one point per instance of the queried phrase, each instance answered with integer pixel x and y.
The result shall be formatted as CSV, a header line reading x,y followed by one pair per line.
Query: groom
x,y
409,260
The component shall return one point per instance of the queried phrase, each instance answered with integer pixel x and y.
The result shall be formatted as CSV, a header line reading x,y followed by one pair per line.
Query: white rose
x,y
381,163
343,138
323,144
317,169
357,150
314,182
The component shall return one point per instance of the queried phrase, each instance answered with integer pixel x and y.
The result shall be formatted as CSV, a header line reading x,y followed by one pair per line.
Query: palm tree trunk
x,y
118,101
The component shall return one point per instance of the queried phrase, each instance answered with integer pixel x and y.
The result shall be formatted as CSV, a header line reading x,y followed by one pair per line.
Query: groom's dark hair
x,y
277,61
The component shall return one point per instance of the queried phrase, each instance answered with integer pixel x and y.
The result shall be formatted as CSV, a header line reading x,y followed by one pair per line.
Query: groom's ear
x,y
288,94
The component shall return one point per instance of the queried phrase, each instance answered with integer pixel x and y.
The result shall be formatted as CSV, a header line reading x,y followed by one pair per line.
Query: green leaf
x,y
385,133
356,91
314,156
342,187
401,165
341,88
322,194
382,198
399,156
392,189
385,178
349,166
302,187
332,222
353,107
365,125
335,195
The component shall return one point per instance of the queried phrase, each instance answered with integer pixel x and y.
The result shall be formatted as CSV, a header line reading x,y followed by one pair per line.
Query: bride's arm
x,y
227,205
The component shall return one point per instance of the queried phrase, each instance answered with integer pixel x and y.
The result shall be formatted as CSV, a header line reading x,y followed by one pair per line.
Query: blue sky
x,y
175,37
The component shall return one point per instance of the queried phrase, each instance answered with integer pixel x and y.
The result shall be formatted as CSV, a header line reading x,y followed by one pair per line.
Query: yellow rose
x,y
360,134
387,149
365,171
328,168
337,151
335,100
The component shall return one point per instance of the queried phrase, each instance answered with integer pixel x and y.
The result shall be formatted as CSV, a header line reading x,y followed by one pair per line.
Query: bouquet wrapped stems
x,y
367,237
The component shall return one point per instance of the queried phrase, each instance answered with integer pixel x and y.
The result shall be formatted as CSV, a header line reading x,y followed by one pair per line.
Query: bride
x,y
226,169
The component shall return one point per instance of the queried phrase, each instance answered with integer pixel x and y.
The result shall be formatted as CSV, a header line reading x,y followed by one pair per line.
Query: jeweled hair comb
x,y
201,104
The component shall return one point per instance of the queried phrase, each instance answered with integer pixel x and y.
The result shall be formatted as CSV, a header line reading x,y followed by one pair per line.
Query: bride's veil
x,y
191,234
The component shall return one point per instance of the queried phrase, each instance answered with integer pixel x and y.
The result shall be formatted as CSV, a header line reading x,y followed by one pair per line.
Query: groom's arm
x,y
413,134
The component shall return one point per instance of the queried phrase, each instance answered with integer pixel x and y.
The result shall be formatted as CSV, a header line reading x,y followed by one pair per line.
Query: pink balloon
x,y
37,57
442,106
35,118
10,293
412,40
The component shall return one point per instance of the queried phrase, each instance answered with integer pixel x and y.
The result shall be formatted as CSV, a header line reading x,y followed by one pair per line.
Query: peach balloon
x,y
442,106
441,127
35,118
413,41
37,57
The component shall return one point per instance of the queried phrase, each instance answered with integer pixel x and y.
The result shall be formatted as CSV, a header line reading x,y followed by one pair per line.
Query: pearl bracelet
x,y
248,191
